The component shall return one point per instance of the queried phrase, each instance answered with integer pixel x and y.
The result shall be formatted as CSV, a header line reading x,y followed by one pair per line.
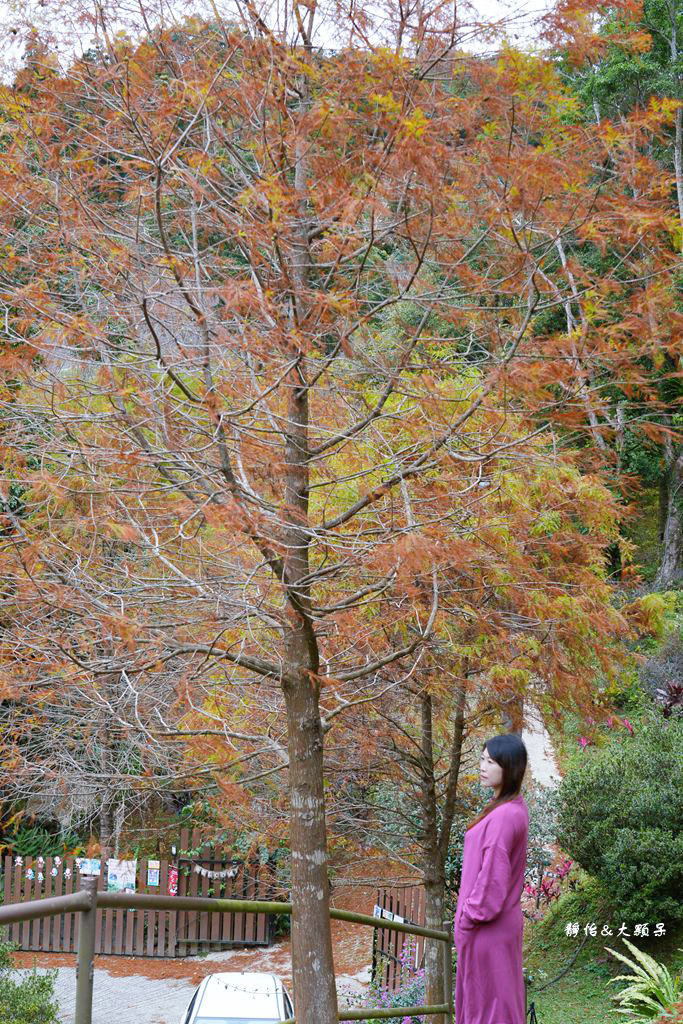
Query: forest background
x,y
340,415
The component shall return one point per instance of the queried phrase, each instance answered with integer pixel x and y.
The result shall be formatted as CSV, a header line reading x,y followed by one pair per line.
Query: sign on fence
x,y
396,955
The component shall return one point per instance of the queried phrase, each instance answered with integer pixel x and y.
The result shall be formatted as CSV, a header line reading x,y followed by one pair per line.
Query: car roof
x,y
247,994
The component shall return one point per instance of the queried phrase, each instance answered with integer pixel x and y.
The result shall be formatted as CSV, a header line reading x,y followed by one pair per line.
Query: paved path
x,y
131,1000
539,748
136,999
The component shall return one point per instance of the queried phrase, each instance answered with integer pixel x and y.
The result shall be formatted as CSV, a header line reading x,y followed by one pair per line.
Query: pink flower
x,y
583,742
628,726
610,722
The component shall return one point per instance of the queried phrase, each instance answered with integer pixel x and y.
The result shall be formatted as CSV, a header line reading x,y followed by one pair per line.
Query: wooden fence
x,y
152,933
397,955
86,902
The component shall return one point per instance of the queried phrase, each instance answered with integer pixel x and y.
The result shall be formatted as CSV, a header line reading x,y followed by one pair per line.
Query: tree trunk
x,y
106,822
436,840
678,138
672,539
672,552
435,902
512,715
106,813
663,506
433,862
315,996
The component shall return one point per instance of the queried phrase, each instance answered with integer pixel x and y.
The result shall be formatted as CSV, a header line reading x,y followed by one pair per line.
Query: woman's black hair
x,y
509,752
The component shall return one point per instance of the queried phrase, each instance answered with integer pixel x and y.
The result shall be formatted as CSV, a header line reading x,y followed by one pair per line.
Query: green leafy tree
x,y
636,66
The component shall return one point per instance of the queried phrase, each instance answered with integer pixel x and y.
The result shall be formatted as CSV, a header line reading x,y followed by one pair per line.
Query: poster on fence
x,y
121,875
88,865
153,868
172,883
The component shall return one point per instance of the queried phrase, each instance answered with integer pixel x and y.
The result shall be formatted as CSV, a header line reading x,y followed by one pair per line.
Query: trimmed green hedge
x,y
620,815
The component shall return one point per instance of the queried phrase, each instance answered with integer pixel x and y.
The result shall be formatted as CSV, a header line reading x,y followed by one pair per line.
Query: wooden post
x,y
86,953
448,971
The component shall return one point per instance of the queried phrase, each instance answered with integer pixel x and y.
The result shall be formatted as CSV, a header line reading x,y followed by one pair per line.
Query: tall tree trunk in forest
x,y
512,715
434,862
435,909
312,962
315,994
663,506
671,564
436,837
672,540
105,740
678,139
106,822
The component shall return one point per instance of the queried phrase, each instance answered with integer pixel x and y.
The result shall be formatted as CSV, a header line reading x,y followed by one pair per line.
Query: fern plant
x,y
35,841
650,989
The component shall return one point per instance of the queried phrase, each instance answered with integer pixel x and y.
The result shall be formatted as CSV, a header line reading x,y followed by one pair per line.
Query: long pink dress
x,y
489,924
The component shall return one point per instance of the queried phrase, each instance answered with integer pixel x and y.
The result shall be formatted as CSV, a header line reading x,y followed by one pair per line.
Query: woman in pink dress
x,y
489,983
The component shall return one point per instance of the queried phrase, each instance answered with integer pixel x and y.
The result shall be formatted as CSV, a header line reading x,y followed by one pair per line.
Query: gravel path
x,y
129,1000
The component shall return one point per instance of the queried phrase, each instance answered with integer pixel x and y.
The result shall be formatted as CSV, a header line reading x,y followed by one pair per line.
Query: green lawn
x,y
582,996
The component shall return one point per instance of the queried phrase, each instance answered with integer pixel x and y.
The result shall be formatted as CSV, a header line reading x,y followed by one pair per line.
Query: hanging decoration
x,y
208,873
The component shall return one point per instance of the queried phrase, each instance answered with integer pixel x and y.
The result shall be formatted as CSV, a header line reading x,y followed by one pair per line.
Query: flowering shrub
x,y
549,887
411,993
541,884
585,741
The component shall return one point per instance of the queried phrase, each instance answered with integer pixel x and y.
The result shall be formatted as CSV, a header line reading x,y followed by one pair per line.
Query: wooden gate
x,y
201,871
397,955
233,879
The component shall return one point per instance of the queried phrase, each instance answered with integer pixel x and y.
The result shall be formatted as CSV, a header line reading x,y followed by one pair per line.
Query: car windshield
x,y
236,1020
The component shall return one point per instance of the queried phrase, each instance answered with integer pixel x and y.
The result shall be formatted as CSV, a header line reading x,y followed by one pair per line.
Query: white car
x,y
232,998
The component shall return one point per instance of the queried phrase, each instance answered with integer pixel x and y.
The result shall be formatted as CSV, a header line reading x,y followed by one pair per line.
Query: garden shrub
x,y
620,818
27,1000
411,992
